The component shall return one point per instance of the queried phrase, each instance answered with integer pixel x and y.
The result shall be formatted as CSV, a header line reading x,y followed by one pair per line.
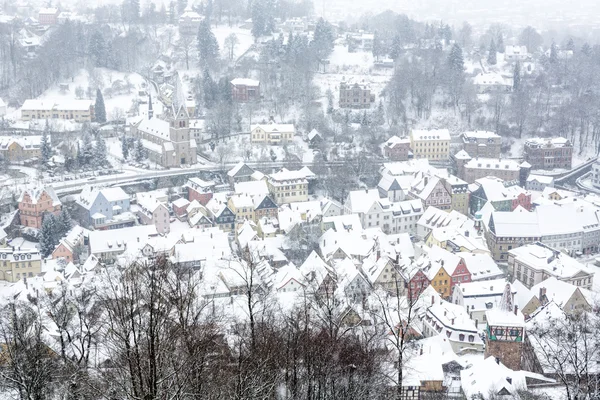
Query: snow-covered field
x,y
244,38
120,90
239,148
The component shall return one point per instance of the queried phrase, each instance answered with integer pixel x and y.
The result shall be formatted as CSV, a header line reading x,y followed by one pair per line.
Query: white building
x,y
434,218
492,82
537,262
272,133
478,297
539,182
516,53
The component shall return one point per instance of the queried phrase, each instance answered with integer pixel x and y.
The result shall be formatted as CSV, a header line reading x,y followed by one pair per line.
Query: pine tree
x,y
570,45
63,223
210,90
86,150
329,95
517,77
500,44
125,147
553,53
456,60
99,109
378,49
208,47
48,238
259,19
586,49
140,151
100,153
322,43
396,48
172,16
492,53
181,5
379,115
45,147
98,49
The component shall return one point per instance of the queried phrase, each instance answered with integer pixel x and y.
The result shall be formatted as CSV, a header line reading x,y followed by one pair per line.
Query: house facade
x,y
104,208
355,95
34,203
548,153
397,149
272,133
244,90
288,186
482,144
152,212
17,263
200,190
433,145
77,110
20,148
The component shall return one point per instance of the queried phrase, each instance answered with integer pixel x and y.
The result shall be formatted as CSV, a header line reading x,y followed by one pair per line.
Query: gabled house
x,y
382,272
351,281
72,247
222,215
319,277
34,203
150,211
570,298
240,173
200,190
289,279
104,208
432,192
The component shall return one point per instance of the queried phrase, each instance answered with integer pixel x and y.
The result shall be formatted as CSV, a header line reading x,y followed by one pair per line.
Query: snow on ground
x,y
341,61
239,148
116,105
244,38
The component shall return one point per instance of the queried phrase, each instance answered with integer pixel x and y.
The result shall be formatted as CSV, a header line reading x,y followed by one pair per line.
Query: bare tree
x,y
231,42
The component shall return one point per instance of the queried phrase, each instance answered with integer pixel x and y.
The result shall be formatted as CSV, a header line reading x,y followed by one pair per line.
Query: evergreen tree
x,y
553,53
378,49
517,77
571,45
172,16
86,150
98,49
48,239
99,109
500,44
181,5
125,147
262,18
140,151
45,146
208,47
100,153
456,60
396,48
330,107
379,115
63,223
586,49
492,53
322,43
210,90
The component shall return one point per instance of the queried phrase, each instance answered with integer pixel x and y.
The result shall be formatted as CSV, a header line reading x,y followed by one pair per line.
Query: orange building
x,y
33,203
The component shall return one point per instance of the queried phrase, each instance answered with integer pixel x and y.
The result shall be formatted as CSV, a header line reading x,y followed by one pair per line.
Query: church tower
x,y
505,332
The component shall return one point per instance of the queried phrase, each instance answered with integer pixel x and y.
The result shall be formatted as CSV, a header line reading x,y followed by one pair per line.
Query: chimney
x,y
444,313
397,258
378,254
452,321
421,352
476,323
497,360
466,233
516,309
398,240
432,300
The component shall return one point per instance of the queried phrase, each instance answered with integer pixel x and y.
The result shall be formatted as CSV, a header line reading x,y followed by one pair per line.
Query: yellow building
x,y
289,186
433,145
440,281
20,148
272,133
77,110
17,263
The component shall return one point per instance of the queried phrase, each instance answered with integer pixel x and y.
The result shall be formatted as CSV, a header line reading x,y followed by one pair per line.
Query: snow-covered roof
x,y
555,290
395,140
26,142
251,188
233,171
481,266
490,79
51,11
433,217
462,155
493,163
272,128
131,239
36,193
548,142
181,202
479,135
515,50
543,179
361,201
155,127
245,82
340,223
426,135
488,379
63,105
114,194
284,175
543,258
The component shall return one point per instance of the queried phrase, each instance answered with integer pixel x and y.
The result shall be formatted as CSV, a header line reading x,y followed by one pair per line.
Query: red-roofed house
x,y
33,203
